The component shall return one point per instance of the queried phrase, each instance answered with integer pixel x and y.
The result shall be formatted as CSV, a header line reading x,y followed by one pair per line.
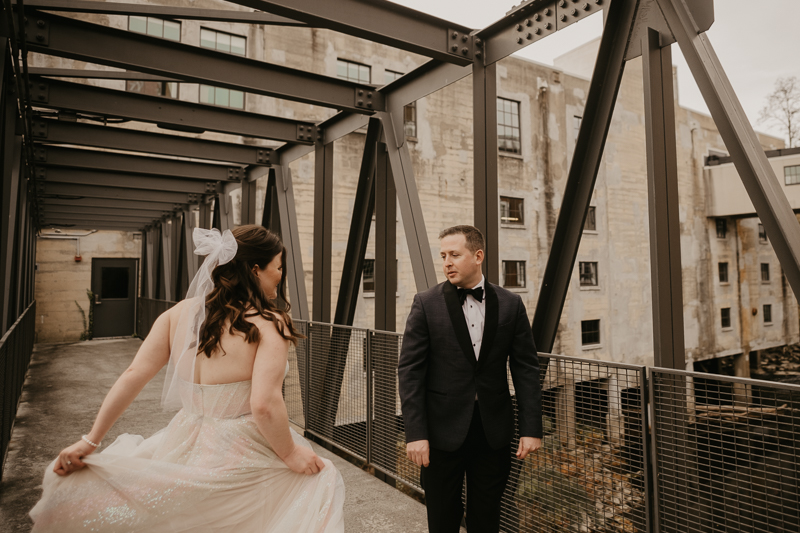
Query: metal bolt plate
x,y
308,133
37,30
457,42
263,156
575,10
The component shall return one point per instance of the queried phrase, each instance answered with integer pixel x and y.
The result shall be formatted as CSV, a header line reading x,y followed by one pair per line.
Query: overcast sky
x,y
757,42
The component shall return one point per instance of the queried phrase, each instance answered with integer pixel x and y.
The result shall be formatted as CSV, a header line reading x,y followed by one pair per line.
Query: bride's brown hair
x,y
237,289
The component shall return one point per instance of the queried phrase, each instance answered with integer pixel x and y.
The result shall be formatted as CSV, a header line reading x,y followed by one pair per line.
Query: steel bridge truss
x,y
59,171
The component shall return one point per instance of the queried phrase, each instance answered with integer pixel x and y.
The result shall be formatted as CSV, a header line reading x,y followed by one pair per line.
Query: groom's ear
x,y
479,256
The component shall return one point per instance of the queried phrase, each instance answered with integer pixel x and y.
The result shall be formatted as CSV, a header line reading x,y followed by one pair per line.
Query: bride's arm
x,y
269,409
153,354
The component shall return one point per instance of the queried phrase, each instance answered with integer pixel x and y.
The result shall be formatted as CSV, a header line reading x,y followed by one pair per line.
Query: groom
x,y
454,387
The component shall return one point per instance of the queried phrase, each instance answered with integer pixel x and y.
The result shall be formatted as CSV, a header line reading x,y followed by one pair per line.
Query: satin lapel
x,y
489,322
456,313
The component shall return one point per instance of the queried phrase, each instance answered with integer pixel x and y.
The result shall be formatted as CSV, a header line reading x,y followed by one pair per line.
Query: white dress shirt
x,y
474,312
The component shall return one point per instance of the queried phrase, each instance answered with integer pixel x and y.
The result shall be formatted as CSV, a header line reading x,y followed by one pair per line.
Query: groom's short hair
x,y
472,234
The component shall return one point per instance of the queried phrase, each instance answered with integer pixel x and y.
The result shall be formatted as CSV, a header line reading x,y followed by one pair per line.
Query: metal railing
x,y
16,347
147,311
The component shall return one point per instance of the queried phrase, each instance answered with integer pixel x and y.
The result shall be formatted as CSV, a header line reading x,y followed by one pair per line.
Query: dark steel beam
x,y
290,235
57,156
188,13
385,253
124,180
165,112
271,216
410,207
323,231
121,219
75,39
486,193
248,210
77,133
94,225
363,208
96,74
582,175
12,154
79,210
204,220
740,140
379,21
91,203
663,204
93,191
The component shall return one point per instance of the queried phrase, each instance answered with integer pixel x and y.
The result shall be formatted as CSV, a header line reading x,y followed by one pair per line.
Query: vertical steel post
x,y
419,248
385,244
12,153
323,231
370,395
23,214
486,195
290,234
591,140
271,217
249,187
662,188
205,215
360,224
166,258
190,257
741,141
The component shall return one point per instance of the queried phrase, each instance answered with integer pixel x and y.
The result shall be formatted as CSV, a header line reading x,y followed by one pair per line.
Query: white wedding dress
x,y
209,470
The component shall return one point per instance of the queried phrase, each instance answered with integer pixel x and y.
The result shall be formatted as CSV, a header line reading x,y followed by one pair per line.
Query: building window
x,y
166,29
224,42
762,234
588,273
352,71
591,220
221,96
514,274
765,272
723,272
792,174
722,228
368,276
590,332
767,314
725,315
576,125
512,210
409,111
508,126
231,44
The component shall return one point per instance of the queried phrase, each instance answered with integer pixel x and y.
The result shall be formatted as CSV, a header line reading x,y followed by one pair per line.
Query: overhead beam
x,y
94,225
165,112
188,13
379,21
58,156
124,180
91,216
75,39
290,235
109,203
740,140
94,191
96,74
118,138
600,102
80,210
323,231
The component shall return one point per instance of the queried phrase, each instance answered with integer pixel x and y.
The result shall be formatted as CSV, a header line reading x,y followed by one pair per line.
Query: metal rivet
x,y
455,35
464,38
563,18
562,3
547,25
361,102
519,40
529,36
574,12
478,54
536,17
478,42
465,50
537,31
40,37
586,6
369,104
40,23
519,27
301,128
369,95
454,48
360,92
42,86
547,12
598,2
528,22
40,97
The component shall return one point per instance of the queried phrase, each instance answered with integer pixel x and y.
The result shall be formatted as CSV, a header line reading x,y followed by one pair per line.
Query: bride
x,y
228,460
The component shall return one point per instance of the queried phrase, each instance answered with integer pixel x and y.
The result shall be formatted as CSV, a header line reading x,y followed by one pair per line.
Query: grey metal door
x,y
114,288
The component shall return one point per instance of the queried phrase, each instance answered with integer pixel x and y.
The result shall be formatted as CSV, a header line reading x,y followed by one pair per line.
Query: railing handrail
x,y
7,334
722,377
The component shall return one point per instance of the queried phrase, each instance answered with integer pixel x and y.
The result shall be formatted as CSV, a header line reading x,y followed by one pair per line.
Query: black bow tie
x,y
476,293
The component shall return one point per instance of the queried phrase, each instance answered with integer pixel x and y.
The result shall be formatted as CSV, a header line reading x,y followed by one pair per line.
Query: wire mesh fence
x,y
16,347
726,453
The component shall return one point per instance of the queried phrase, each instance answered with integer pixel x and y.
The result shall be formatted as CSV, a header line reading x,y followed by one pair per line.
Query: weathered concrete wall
x,y
61,281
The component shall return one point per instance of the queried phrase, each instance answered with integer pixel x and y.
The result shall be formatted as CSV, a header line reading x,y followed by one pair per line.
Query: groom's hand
x,y
419,452
528,445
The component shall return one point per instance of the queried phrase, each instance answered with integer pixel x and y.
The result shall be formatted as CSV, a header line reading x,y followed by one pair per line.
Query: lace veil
x,y
219,248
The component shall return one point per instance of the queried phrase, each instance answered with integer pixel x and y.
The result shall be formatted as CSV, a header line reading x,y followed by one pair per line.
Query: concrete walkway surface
x,y
64,388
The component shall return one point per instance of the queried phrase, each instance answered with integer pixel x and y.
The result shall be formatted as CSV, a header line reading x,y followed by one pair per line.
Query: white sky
x,y
756,42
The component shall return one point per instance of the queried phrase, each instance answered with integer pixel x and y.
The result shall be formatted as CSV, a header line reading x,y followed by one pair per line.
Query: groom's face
x,y
461,266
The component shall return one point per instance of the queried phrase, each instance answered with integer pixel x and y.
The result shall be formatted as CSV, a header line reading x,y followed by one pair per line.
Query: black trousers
x,y
487,472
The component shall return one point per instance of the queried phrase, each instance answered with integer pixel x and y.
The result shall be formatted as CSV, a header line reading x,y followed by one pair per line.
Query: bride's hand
x,y
69,460
304,461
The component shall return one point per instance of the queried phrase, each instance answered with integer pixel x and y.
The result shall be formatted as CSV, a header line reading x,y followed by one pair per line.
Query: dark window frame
x,y
520,273
725,317
218,32
590,224
509,134
722,228
409,111
791,174
767,311
762,234
518,209
765,275
590,332
723,272
348,62
587,271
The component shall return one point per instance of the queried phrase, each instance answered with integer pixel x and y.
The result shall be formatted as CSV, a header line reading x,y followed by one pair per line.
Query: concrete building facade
x,y
608,311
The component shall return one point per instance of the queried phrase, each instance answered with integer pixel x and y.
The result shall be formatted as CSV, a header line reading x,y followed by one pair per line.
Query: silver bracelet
x,y
85,439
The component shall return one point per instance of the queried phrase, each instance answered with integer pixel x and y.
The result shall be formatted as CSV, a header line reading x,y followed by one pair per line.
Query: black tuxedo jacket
x,y
439,376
